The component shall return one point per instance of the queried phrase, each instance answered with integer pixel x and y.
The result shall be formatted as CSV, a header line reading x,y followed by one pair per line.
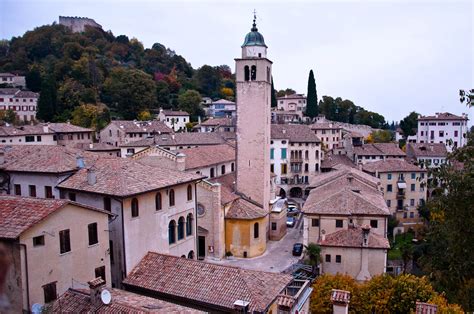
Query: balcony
x,y
296,170
296,159
400,195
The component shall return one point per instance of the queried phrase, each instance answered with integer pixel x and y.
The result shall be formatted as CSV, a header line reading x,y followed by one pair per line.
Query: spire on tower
x,y
254,25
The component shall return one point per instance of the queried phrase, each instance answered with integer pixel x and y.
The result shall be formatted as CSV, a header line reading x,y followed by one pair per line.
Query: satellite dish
x,y
323,231
105,296
36,308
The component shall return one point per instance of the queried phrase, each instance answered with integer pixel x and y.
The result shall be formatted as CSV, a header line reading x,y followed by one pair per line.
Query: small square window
x,y
338,259
389,176
374,223
315,222
274,226
328,258
38,241
413,175
339,223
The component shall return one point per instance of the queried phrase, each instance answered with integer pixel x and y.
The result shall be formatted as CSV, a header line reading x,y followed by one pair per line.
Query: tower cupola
x,y
254,43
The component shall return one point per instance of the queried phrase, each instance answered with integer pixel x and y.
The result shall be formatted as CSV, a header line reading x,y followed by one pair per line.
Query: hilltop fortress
x,y
78,24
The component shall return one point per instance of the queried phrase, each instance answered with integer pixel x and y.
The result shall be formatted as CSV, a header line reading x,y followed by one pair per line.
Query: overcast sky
x,y
391,57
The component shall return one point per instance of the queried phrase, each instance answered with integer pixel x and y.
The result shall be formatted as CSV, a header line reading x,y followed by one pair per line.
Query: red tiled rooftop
x,y
353,238
203,156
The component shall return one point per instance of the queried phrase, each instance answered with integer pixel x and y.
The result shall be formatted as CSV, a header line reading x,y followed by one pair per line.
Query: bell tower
x,y
253,80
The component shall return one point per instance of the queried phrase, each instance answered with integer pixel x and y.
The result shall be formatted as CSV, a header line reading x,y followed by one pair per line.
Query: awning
x,y
402,185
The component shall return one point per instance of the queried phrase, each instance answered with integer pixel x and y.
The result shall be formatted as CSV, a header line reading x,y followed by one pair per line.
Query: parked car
x,y
290,222
297,249
292,209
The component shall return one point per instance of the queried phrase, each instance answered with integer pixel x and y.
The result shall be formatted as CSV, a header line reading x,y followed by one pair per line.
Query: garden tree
x,y
130,91
313,252
227,92
144,115
380,136
467,97
288,91
409,124
208,80
381,294
449,257
8,116
312,97
70,95
47,100
274,103
91,116
33,79
190,101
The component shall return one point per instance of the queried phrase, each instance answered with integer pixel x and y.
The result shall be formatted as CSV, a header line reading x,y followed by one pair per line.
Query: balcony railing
x,y
296,170
296,159
400,195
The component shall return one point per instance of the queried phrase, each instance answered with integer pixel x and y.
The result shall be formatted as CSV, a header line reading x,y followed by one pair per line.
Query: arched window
x,y
189,225
191,254
223,169
134,207
306,154
268,74
247,73
171,196
180,228
255,230
253,73
306,167
190,192
158,201
212,172
172,232
316,154
232,167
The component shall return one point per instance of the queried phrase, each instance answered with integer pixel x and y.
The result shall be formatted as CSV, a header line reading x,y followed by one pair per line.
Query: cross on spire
x,y
254,25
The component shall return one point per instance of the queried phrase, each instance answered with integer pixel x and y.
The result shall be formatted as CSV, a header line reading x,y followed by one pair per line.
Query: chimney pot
x,y
91,176
96,286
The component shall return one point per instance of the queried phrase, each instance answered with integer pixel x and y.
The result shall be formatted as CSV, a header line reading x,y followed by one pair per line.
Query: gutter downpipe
x,y
27,278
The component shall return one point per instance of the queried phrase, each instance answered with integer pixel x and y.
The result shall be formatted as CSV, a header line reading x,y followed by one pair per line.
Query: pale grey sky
x,y
391,57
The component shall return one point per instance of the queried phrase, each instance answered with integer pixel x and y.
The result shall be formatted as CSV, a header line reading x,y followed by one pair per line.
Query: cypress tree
x,y
47,100
312,98
274,99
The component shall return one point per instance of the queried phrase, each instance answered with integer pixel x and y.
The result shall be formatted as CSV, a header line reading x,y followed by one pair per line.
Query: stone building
x,y
119,132
175,120
216,125
377,151
346,214
404,187
78,24
329,133
23,103
12,80
222,108
53,244
295,103
427,155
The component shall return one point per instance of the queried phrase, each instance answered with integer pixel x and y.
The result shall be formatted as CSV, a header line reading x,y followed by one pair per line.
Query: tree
x,y
91,116
449,257
208,80
144,115
467,97
33,79
312,100
409,124
190,101
47,100
130,91
313,251
380,136
274,97
286,92
8,116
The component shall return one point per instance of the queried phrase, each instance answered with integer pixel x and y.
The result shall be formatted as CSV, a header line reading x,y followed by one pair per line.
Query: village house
x,y
119,132
90,301
404,187
427,155
295,103
222,108
177,141
189,282
155,208
23,103
295,156
216,125
175,120
285,117
102,148
12,80
445,128
53,245
329,133
46,134
377,151
346,214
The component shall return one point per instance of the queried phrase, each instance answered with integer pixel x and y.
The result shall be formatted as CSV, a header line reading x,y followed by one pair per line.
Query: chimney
x,y
340,300
426,308
180,162
365,235
91,176
96,286
46,128
283,131
80,162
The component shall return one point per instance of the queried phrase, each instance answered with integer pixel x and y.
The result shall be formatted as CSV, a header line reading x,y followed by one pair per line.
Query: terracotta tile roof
x,y
347,201
340,296
183,139
129,126
26,94
292,96
125,177
244,209
416,150
203,156
353,238
18,214
79,301
332,160
44,158
9,91
391,164
67,128
223,101
294,133
218,122
212,285
227,187
286,300
379,149
96,147
325,126
175,113
442,116
344,172
7,74
24,130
